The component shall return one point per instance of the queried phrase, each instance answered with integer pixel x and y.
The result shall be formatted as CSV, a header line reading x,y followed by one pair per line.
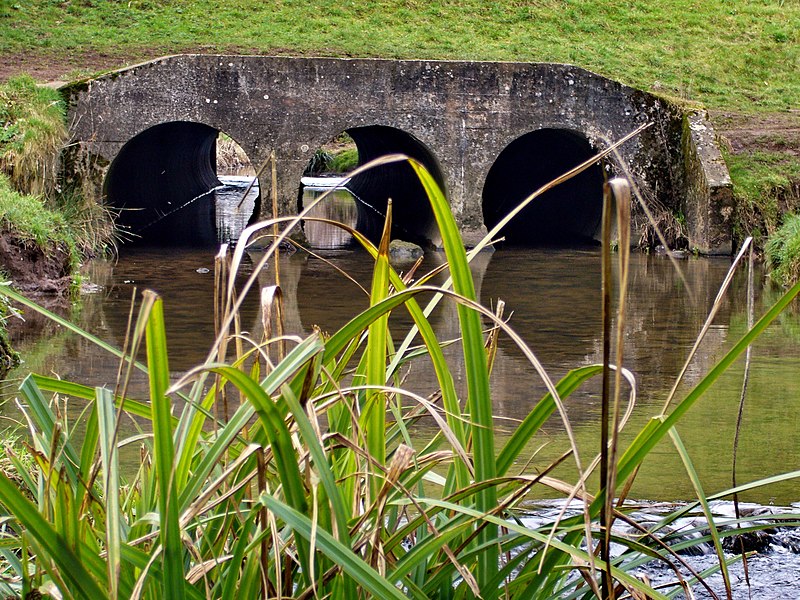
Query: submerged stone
x,y
404,252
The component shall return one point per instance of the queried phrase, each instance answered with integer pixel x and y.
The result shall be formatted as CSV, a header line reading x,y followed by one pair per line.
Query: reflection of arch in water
x,y
161,183
340,206
556,310
566,215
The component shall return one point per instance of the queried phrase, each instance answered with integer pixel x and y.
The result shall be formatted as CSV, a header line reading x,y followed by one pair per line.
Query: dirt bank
x,y
771,132
33,271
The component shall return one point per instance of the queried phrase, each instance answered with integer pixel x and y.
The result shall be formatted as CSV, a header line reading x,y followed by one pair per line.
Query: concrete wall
x,y
464,113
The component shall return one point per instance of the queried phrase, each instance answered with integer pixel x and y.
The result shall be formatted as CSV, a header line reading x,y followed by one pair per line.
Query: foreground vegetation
x,y
728,55
287,467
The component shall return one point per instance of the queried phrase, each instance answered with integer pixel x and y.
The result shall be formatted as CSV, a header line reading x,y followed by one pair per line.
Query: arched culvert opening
x,y
569,214
412,217
162,184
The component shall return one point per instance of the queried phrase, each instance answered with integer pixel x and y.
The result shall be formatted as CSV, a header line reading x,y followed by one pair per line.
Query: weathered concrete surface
x,y
457,117
709,191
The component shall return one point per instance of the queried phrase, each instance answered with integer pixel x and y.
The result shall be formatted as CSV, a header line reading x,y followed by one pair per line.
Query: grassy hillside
x,y
729,54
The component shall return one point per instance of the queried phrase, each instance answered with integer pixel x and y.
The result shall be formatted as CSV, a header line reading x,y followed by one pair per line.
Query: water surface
x,y
552,300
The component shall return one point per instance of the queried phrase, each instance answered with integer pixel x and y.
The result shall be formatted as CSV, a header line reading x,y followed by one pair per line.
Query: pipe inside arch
x,y
412,217
569,214
161,184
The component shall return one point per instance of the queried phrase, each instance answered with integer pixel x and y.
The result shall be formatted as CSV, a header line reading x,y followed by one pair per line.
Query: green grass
x,y
766,186
306,488
783,252
30,220
728,55
35,207
32,133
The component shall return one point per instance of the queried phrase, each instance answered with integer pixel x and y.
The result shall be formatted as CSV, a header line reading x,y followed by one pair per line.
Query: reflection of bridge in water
x,y
554,305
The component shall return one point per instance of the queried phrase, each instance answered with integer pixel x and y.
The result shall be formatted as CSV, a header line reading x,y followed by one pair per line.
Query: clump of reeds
x,y
304,488
783,252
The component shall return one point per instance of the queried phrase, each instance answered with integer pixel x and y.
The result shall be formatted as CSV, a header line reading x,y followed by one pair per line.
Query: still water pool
x,y
553,299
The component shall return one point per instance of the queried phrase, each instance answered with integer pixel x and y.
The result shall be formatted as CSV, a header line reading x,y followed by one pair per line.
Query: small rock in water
x,y
752,541
403,252
203,270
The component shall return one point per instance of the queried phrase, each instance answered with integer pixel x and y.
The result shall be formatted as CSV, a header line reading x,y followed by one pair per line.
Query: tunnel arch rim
x,y
206,177
568,131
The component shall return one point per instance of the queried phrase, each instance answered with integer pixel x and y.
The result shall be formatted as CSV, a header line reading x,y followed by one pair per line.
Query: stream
x,y
553,299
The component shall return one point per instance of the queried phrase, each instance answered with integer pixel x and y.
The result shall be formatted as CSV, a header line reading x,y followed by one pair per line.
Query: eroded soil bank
x,y
33,271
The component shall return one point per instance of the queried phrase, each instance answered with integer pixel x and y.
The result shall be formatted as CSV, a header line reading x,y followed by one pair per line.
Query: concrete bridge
x,y
490,133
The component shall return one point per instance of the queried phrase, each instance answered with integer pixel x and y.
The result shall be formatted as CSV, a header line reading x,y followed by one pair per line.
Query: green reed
x,y
305,488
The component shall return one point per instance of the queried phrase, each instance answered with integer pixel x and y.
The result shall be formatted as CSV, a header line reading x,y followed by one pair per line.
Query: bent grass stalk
x,y
347,513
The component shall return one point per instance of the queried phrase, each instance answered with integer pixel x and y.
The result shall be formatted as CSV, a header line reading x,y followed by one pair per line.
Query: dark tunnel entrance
x,y
567,215
161,184
412,217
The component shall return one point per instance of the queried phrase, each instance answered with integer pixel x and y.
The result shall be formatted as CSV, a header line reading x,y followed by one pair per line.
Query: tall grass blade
x,y
50,431
82,583
607,585
84,392
373,418
110,462
479,400
280,440
742,397
344,557
701,497
295,361
170,536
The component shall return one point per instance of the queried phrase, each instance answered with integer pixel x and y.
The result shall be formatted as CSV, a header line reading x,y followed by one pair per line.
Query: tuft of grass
x,y
783,252
29,219
766,185
32,133
344,161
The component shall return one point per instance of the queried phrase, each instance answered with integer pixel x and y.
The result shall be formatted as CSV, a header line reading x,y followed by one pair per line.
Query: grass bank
x,y
731,55
36,208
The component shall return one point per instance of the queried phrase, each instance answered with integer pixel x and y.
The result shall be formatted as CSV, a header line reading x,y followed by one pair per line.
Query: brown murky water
x,y
553,299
